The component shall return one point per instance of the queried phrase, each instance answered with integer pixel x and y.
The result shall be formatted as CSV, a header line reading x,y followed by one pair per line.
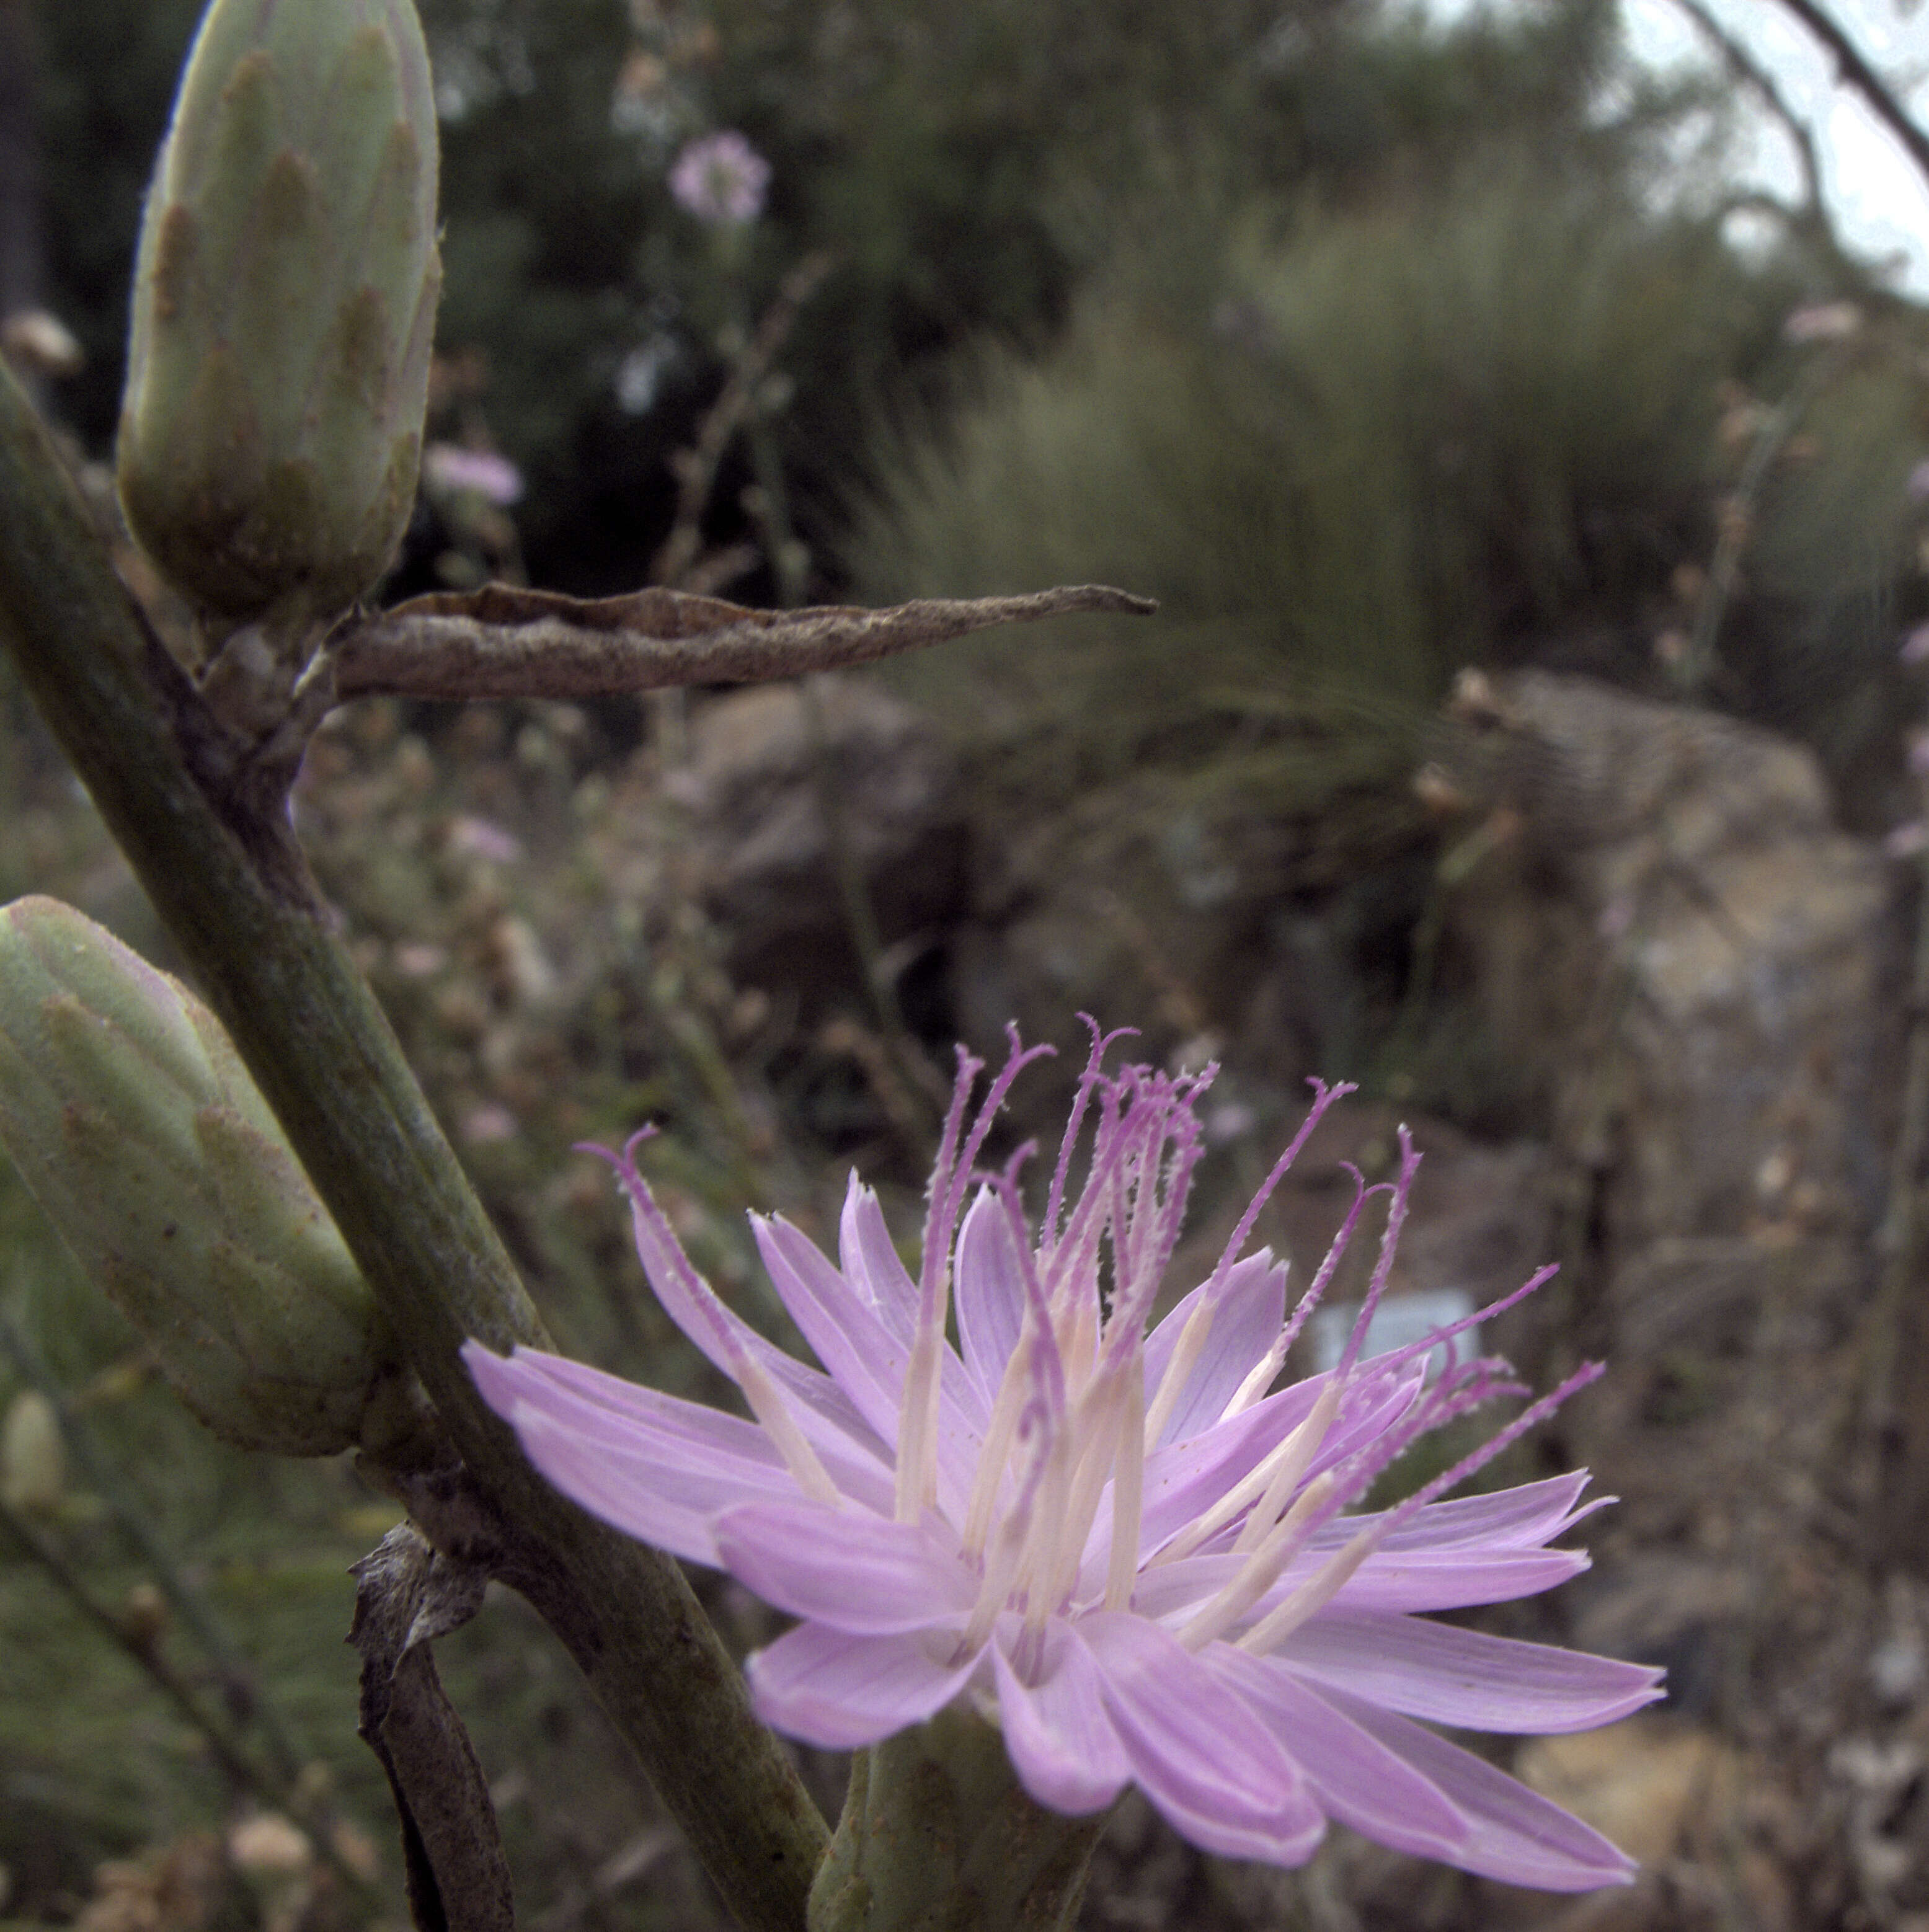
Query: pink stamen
x,y
1101,1044
1403,1190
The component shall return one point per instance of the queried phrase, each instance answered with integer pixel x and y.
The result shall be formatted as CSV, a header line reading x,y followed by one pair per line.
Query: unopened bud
x,y
130,1117
284,304
33,1460
144,1617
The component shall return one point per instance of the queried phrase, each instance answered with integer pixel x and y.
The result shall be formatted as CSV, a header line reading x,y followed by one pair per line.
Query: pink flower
x,y
1119,1545
493,477
1822,322
721,179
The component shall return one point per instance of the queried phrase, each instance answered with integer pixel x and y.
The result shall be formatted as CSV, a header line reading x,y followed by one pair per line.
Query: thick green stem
x,y
937,1835
218,859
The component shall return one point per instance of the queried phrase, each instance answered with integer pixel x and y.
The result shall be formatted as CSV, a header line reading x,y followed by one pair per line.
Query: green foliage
x,y
1830,575
961,164
1349,453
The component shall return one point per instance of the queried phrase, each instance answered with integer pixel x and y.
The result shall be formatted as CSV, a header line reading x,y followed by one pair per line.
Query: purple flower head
x,y
1123,1547
721,179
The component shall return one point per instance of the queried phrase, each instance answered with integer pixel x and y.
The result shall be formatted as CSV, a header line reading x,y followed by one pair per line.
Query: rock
x,y
1112,908
762,855
1686,955
1648,1783
1686,1612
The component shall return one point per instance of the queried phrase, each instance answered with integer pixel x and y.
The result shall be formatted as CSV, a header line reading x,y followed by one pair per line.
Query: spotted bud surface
x,y
284,305
130,1117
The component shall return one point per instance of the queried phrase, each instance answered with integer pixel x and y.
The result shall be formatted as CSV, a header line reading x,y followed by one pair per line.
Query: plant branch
x,y
1855,72
265,1785
1743,65
499,643
696,467
1735,522
223,872
270,1787
242,1694
407,1595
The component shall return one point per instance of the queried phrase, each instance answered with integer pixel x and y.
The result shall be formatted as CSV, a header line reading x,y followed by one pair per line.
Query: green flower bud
x,y
284,305
130,1115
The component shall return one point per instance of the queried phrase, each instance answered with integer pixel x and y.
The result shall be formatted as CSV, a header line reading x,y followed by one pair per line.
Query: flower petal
x,y
844,1331
1184,1480
866,1360
1209,1767
729,1455
841,1691
846,1569
659,1469
1446,1579
1405,1582
989,1292
1354,1778
871,1264
722,1335
640,1498
1513,1834
1252,1307
1062,1744
1525,1518
1464,1678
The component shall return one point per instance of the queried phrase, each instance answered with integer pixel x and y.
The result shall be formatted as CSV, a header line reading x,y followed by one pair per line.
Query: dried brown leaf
x,y
501,642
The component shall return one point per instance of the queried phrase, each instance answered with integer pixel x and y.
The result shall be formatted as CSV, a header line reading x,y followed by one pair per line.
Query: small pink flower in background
x,y
721,179
476,837
1822,322
1918,483
1914,647
493,477
489,1124
1121,1546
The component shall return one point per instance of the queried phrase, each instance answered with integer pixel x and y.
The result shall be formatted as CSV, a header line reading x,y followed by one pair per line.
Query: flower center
x,y
1073,1420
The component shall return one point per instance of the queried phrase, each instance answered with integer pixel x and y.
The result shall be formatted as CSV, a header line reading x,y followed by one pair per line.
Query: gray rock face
x,y
1690,955
765,854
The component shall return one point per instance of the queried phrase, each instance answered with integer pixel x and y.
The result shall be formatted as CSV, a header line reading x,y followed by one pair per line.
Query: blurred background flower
x,y
721,178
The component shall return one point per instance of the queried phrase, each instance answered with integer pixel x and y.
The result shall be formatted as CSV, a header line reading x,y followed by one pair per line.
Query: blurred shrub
x,y
1831,575
1352,451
